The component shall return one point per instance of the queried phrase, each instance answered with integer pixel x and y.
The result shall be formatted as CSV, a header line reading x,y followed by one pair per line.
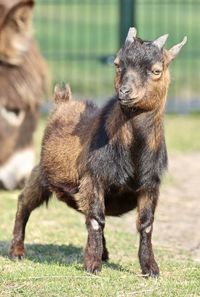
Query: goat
x,y
23,80
107,161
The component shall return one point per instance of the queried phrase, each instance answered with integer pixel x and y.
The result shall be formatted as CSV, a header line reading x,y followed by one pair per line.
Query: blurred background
x,y
80,38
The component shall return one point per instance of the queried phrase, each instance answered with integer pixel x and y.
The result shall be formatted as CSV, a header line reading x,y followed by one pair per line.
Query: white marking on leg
x,y
95,224
148,229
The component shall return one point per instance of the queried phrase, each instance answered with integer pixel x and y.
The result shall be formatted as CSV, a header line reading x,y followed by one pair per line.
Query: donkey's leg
x,y
32,196
147,201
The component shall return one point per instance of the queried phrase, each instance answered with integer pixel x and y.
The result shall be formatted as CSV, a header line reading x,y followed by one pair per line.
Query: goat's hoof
x,y
152,271
93,267
93,270
17,253
17,257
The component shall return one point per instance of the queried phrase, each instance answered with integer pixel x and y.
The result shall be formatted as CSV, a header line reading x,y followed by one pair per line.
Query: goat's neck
x,y
150,126
125,125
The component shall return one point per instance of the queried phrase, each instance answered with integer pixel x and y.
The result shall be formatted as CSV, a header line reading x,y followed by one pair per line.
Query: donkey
x,y
24,81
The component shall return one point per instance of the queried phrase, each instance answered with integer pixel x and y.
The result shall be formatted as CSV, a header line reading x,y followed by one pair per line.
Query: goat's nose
x,y
125,90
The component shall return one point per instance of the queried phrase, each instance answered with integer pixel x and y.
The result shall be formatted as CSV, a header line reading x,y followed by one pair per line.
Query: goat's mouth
x,y
129,102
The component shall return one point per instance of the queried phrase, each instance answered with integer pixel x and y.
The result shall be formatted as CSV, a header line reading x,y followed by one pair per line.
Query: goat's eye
x,y
118,68
156,71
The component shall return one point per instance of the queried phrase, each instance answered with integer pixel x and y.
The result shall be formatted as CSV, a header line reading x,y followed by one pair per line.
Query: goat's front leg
x,y
105,255
95,222
147,201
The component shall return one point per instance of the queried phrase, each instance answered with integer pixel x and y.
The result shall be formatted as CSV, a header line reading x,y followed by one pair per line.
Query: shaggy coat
x,y
110,160
23,80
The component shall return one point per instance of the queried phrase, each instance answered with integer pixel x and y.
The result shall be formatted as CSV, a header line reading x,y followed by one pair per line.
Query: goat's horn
x,y
131,34
176,48
160,42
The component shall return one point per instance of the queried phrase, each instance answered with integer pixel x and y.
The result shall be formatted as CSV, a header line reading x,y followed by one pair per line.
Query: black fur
x,y
109,162
140,55
118,166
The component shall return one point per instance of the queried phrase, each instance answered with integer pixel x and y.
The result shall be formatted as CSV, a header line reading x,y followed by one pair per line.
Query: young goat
x,y
107,161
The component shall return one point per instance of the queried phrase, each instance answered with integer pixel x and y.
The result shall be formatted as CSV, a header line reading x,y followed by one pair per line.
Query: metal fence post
x,y
127,18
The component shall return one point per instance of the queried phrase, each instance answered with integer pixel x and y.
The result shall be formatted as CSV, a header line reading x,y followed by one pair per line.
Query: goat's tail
x,y
62,93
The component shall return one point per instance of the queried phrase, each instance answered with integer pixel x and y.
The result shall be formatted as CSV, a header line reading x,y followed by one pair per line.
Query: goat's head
x,y
142,75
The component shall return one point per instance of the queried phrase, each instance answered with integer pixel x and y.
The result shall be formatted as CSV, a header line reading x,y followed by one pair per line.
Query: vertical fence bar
x,y
127,18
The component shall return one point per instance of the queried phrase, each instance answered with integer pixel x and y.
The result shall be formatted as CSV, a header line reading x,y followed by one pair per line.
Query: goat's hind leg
x,y
32,196
146,207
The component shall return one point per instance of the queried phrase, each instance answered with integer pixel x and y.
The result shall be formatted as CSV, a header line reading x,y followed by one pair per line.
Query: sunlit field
x,y
56,237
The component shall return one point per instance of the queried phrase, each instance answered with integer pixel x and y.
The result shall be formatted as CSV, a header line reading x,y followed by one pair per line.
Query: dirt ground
x,y
177,223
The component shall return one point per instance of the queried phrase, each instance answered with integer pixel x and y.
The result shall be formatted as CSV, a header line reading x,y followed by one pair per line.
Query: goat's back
x,y
65,137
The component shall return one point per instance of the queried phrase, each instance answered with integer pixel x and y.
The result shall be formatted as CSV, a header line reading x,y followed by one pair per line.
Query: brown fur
x,y
23,79
62,94
16,30
118,128
62,125
106,161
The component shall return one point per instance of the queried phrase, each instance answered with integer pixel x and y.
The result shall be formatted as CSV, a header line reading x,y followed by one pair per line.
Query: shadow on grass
x,y
116,266
56,254
53,253
47,253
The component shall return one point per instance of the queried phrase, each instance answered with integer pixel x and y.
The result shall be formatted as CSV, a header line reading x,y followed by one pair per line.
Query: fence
x,y
79,38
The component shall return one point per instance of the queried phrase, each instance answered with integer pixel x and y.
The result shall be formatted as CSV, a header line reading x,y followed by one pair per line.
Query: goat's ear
x,y
117,59
62,93
21,16
173,52
160,42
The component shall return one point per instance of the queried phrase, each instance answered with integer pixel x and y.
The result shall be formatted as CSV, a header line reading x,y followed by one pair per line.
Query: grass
x,y
182,133
76,35
56,237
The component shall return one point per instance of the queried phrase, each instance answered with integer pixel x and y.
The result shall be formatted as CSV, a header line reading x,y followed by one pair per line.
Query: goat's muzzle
x,y
124,92
126,96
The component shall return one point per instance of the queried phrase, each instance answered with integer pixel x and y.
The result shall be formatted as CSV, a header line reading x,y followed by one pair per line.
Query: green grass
x,y
182,132
56,237
74,36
